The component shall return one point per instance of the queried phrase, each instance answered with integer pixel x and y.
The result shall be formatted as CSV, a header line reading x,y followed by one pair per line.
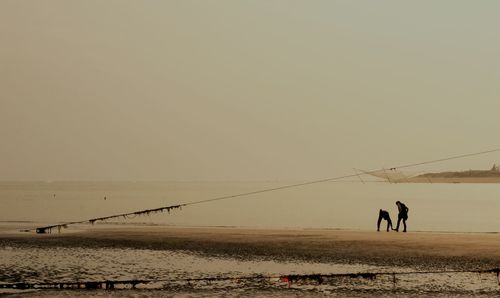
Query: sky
x,y
243,90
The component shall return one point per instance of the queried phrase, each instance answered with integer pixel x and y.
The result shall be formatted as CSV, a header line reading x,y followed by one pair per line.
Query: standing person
x,y
382,214
403,215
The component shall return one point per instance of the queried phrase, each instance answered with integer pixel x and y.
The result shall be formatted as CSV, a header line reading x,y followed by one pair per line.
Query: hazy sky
x,y
207,90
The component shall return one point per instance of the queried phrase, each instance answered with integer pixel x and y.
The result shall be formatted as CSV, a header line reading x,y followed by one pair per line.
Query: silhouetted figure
x,y
402,215
384,215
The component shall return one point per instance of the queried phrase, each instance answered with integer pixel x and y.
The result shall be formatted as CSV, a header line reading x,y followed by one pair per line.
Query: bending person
x,y
384,215
402,215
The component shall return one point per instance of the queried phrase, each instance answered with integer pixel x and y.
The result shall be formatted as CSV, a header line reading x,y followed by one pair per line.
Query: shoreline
x,y
6,227
420,250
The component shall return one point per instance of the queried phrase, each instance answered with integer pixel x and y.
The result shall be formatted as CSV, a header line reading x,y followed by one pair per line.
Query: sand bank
x,y
414,249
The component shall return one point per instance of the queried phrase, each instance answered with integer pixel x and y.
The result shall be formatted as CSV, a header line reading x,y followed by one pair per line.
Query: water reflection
x,y
172,269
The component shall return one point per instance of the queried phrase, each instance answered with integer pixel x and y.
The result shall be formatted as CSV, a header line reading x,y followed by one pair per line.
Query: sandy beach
x,y
422,250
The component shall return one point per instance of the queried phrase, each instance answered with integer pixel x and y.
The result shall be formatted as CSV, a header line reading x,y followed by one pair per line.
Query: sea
x,y
354,205
338,205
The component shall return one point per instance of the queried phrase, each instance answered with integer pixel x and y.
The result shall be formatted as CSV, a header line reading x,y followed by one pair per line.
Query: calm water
x,y
433,207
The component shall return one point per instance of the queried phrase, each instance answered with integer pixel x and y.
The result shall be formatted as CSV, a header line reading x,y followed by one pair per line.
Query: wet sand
x,y
420,250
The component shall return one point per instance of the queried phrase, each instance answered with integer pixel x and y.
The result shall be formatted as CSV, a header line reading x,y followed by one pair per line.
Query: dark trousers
x,y
384,215
402,217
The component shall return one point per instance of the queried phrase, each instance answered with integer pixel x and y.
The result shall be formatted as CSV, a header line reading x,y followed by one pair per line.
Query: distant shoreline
x,y
441,179
470,176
